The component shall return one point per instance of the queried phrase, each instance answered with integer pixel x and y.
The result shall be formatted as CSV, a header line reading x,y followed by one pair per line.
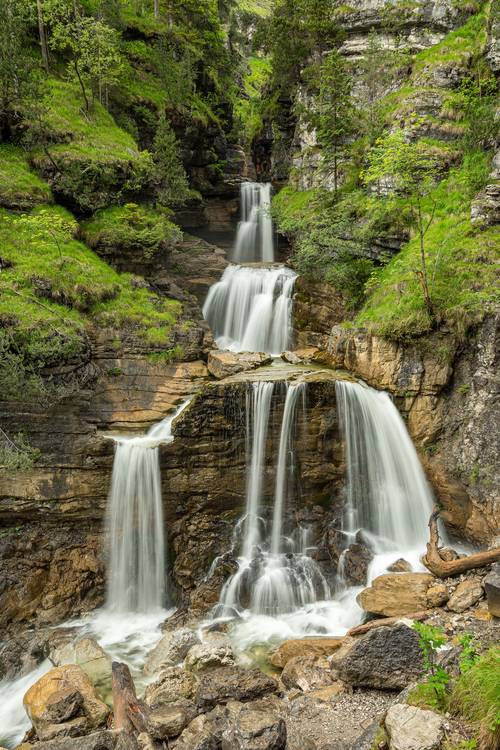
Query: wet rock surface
x,y
395,594
232,683
388,658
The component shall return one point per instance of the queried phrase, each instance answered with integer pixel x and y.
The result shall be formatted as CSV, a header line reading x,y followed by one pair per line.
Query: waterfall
x,y
250,309
388,496
275,573
136,548
254,237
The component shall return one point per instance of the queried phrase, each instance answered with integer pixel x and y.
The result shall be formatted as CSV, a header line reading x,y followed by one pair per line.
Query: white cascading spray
x,y
136,546
254,236
275,573
250,309
388,497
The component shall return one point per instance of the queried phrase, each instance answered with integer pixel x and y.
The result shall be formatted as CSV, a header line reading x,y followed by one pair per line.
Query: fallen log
x,y
447,568
382,622
130,714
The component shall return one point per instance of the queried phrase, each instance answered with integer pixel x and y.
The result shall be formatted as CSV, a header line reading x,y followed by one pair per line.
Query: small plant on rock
x,y
433,690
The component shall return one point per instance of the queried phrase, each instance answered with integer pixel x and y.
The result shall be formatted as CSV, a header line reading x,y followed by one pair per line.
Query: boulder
x,y
204,732
232,683
304,647
412,728
394,594
172,684
492,589
53,695
209,655
87,654
101,740
467,593
355,561
386,658
221,364
400,566
171,649
254,729
304,355
169,720
306,673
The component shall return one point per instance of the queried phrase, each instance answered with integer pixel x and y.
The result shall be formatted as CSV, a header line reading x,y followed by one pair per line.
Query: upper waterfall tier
x,y
254,238
250,309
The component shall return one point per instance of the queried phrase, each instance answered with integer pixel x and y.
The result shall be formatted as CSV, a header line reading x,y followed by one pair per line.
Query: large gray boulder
x,y
232,683
387,657
412,728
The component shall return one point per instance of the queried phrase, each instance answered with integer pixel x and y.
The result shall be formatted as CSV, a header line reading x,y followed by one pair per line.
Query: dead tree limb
x,y
130,713
445,568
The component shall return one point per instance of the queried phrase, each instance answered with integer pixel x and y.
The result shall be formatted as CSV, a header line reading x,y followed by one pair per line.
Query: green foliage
x,y
249,108
296,30
19,76
20,188
430,639
16,454
53,290
173,189
468,655
476,697
460,261
132,228
93,162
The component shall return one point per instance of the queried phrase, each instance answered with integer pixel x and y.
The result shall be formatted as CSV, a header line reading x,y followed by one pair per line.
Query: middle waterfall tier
x,y
275,572
250,309
254,237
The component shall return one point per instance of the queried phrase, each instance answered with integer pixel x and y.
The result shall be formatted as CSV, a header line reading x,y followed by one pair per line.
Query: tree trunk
x,y
77,71
157,8
445,568
43,36
130,714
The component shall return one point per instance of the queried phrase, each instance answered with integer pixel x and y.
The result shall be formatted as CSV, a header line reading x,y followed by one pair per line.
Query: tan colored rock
x,y
306,673
327,694
467,593
412,728
304,647
222,364
394,594
52,690
87,654
400,566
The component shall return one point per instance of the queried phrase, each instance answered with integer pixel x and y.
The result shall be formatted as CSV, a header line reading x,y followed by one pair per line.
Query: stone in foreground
x,y
384,658
394,594
232,683
492,588
304,647
467,593
254,729
411,728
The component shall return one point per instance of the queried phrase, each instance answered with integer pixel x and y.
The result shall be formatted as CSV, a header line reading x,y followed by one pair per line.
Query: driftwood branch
x,y
445,568
130,713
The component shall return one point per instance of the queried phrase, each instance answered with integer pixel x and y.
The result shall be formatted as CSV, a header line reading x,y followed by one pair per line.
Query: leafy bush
x,y
433,689
16,454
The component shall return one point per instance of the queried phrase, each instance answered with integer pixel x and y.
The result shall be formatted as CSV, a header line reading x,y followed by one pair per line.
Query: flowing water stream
x,y
254,237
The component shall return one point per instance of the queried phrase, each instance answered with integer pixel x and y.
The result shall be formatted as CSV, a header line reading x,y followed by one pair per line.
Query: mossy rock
x,y
20,188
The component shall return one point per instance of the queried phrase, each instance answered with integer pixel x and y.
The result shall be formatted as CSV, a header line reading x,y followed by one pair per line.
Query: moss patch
x,y
20,188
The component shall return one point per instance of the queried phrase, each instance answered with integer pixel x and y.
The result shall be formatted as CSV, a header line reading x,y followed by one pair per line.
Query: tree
x,y
410,169
296,32
173,188
91,45
19,74
335,110
42,35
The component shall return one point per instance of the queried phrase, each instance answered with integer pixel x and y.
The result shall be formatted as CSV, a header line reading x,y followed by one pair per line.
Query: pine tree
x,y
173,188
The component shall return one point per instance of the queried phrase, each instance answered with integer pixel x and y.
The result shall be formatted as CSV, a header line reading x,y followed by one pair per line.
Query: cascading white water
x,y
388,497
136,573
254,237
275,573
250,309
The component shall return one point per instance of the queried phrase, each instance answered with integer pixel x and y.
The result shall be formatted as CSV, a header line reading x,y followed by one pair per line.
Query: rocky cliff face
x,y
448,394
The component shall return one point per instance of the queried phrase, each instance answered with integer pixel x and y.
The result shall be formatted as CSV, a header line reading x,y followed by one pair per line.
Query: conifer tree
x,y
171,178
